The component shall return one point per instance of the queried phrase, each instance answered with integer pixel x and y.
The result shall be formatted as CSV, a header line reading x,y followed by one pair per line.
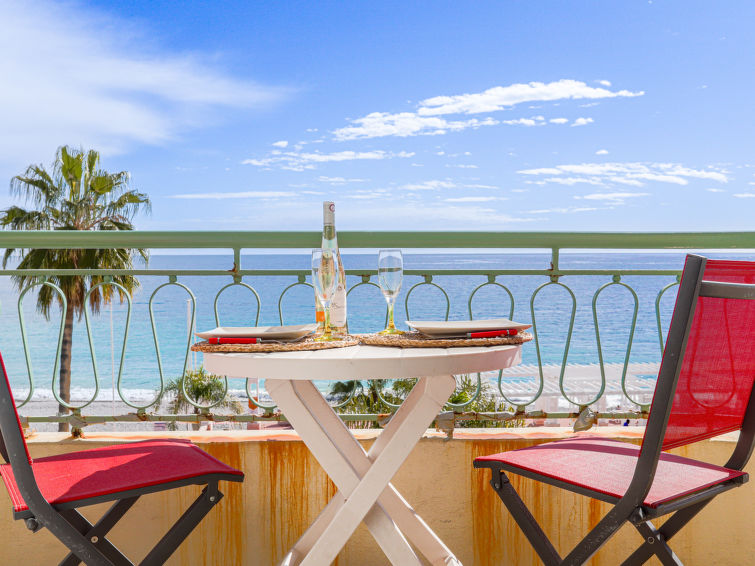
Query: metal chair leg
x,y
209,497
96,533
599,535
524,518
657,543
672,526
71,537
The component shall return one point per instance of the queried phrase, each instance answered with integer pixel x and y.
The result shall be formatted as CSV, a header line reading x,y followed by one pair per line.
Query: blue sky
x,y
410,115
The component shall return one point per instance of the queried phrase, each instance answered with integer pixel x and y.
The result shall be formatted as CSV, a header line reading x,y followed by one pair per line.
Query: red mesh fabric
x,y
114,469
718,369
10,393
607,466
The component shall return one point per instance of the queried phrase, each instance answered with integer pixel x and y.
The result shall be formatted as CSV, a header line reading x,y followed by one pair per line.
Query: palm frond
x,y
71,167
35,186
17,218
77,195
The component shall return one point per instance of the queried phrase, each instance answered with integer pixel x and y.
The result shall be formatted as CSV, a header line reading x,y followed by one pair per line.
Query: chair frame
x,y
86,541
630,507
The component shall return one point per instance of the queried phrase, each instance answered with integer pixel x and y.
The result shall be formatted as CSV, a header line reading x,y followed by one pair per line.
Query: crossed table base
x,y
363,478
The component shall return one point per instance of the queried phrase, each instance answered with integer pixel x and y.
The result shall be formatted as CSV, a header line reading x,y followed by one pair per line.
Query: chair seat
x,y
607,466
115,469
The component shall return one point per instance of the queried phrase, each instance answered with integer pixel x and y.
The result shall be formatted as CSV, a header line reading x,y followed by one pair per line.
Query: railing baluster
x,y
658,310
124,293
553,281
428,280
237,284
616,281
56,365
301,281
478,391
158,397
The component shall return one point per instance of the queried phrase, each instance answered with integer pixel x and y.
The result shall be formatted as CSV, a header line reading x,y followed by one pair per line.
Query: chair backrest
x,y
11,431
715,362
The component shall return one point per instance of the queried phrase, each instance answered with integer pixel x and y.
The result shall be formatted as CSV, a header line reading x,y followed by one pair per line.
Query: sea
x,y
140,375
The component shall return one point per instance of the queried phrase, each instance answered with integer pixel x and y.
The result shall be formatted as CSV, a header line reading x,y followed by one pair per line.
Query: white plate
x,y
270,332
444,327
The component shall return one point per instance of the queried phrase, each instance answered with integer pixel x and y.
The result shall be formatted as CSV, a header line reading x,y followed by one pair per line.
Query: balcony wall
x,y
285,489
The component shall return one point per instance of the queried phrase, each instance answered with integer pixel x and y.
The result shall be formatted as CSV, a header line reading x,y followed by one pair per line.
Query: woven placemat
x,y
417,340
273,347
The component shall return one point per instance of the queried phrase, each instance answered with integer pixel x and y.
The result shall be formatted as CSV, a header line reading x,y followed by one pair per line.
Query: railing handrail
x,y
57,239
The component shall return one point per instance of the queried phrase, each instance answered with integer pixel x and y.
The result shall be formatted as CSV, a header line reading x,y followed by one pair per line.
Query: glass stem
x,y
327,322
391,325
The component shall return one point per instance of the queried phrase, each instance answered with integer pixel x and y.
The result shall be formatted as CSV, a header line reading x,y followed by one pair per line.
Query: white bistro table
x,y
363,478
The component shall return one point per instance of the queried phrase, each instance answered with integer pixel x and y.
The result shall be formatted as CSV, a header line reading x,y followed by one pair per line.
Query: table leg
x,y
410,523
369,474
306,421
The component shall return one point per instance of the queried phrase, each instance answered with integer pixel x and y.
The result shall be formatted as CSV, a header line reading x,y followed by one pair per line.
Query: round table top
x,y
362,362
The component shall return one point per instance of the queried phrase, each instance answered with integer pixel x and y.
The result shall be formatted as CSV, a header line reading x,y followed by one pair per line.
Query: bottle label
x,y
338,307
328,213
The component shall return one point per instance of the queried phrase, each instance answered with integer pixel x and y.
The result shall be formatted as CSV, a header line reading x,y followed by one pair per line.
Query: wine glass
x,y
325,281
390,273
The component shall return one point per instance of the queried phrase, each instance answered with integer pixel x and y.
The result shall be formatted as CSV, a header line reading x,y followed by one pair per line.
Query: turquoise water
x,y
366,311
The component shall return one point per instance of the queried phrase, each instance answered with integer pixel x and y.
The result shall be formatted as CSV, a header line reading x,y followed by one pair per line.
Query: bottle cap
x,y
328,213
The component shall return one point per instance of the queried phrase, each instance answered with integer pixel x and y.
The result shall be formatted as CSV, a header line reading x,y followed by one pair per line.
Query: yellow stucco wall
x,y
285,489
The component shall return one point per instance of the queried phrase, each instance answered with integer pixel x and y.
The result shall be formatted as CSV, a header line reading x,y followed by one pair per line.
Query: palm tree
x,y
203,388
75,195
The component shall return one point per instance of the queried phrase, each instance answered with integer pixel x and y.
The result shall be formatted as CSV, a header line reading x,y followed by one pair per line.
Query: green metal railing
x,y
552,274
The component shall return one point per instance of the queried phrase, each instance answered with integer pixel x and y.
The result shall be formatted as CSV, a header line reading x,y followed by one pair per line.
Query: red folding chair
x,y
46,492
704,388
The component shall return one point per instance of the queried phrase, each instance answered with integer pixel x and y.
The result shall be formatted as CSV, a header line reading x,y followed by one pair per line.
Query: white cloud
x,y
72,75
453,216
715,190
601,152
582,122
338,180
367,195
612,196
474,186
429,185
534,121
744,195
245,194
295,161
612,199
473,199
604,83
501,97
462,166
568,181
558,120
632,173
382,124
281,144
427,120
563,210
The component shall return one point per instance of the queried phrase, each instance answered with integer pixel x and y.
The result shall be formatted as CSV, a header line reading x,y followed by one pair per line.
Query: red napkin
x,y
493,333
231,340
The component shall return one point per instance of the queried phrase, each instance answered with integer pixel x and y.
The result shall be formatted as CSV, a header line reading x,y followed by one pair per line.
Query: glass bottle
x,y
338,320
